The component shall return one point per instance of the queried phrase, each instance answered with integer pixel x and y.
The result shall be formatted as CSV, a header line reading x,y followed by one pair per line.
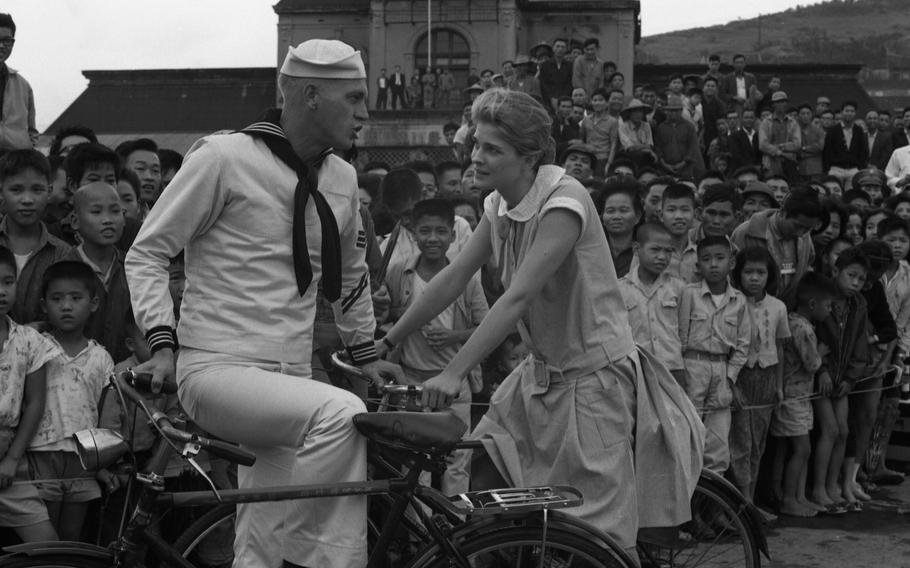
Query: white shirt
x,y
741,87
230,206
898,166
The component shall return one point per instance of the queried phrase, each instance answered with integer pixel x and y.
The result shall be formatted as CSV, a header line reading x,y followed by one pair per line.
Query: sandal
x,y
854,507
835,509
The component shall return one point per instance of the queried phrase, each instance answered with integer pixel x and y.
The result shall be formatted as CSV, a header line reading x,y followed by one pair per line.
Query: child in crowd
x,y
654,192
677,213
132,425
86,163
844,335
715,329
895,233
401,189
75,379
424,355
23,363
853,230
882,334
500,364
859,199
792,420
98,219
58,203
652,296
871,220
836,216
830,253
128,188
25,189
760,383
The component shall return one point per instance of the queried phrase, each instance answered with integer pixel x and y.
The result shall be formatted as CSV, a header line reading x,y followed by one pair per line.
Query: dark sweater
x,y
880,319
837,154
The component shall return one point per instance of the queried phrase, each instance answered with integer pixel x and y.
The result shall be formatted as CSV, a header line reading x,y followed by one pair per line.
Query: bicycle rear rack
x,y
520,499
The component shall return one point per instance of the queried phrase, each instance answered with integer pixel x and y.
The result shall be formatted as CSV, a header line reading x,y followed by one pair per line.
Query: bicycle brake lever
x,y
205,476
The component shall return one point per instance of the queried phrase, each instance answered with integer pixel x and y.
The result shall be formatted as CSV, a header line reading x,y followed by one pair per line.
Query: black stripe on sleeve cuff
x,y
363,353
161,337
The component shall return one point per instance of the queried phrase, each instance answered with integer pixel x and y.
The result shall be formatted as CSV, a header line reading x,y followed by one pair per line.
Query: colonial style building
x,y
462,34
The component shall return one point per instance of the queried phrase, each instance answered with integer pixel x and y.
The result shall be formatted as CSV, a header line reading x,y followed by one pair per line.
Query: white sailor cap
x,y
324,59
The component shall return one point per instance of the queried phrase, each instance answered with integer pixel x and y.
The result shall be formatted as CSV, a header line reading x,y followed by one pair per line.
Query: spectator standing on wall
x,y
17,102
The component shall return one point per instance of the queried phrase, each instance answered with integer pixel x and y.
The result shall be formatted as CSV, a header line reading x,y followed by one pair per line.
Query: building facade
x,y
460,35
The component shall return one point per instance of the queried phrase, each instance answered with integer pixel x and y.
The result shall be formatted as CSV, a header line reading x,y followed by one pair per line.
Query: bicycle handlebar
x,y
143,382
124,382
340,362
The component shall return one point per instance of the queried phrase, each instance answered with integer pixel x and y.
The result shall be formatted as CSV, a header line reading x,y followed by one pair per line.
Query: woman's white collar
x,y
547,177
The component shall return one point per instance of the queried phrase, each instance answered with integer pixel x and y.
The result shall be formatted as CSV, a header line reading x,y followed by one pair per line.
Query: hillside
x,y
872,32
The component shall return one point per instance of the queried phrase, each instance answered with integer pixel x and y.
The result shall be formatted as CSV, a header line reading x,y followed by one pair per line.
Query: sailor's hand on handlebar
x,y
380,372
441,391
161,367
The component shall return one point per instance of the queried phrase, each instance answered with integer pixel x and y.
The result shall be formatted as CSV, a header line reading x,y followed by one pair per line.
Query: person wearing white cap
x,y
264,215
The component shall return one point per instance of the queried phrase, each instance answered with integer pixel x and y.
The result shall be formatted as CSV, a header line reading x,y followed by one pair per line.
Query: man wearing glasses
x,y
17,103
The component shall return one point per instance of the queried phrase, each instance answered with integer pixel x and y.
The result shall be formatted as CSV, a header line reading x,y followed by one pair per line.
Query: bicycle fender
x,y
752,517
42,548
564,521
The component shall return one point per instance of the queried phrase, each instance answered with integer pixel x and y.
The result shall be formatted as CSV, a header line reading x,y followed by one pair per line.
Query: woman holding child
x,y
570,411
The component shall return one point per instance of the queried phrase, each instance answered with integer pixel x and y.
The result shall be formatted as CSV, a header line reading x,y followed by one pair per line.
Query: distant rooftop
x,y
170,100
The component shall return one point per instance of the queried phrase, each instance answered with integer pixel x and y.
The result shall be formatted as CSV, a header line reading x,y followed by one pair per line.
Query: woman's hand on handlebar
x,y
381,371
161,367
441,391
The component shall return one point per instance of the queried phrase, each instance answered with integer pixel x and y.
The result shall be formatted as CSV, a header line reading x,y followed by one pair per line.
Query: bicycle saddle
x,y
421,430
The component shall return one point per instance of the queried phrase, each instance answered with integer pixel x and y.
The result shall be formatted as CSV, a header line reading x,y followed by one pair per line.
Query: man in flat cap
x,y
265,215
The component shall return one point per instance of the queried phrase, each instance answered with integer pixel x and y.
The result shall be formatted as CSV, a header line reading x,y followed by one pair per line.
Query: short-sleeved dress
x,y
569,412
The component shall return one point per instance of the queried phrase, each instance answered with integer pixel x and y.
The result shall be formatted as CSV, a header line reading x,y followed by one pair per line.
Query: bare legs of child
x,y
831,418
40,531
793,458
67,518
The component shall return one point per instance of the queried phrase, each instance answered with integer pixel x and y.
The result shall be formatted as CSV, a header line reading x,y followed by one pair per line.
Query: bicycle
x,y
726,530
507,527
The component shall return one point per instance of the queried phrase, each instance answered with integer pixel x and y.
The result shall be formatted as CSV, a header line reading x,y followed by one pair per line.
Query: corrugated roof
x,y
170,100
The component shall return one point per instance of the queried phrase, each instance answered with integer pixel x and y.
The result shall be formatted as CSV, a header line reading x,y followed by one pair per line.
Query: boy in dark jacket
x,y
843,337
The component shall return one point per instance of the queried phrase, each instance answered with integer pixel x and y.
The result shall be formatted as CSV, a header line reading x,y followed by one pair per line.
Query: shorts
x,y
793,418
20,504
72,484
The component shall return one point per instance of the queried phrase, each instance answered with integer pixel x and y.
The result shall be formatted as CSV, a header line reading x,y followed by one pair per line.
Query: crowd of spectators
x,y
750,233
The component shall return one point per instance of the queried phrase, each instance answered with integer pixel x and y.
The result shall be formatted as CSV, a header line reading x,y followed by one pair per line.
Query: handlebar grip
x,y
229,452
143,382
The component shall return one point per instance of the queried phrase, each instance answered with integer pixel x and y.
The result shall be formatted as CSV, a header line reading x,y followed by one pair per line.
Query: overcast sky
x,y
57,39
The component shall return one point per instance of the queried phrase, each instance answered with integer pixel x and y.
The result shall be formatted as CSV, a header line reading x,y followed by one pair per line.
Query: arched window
x,y
450,49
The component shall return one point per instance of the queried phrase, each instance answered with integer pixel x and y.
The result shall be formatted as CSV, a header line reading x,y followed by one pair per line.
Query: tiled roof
x,y
170,100
303,6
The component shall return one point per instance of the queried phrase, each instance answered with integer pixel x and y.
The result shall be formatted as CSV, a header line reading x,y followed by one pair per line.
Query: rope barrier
x,y
810,397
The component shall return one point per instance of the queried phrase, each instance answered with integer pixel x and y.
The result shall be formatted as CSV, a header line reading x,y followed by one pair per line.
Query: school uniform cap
x,y
759,187
475,88
868,176
583,149
323,59
823,100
